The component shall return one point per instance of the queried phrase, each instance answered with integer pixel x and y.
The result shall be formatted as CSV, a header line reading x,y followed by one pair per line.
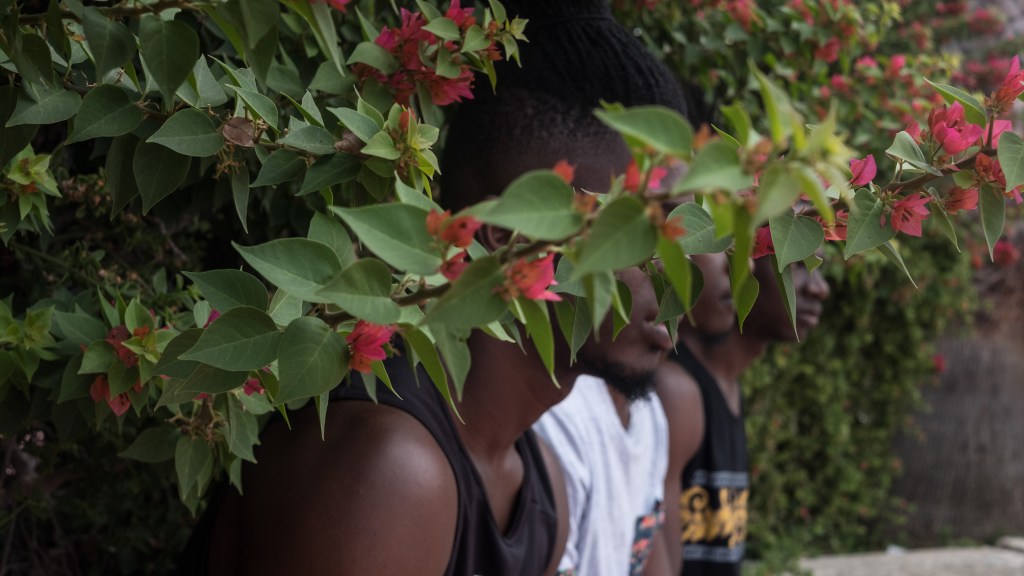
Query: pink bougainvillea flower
x,y
531,279
863,171
908,213
950,130
836,230
1011,88
1005,254
459,231
436,221
763,244
961,199
119,404
339,5
939,363
634,178
252,386
214,314
115,338
896,64
99,389
445,91
453,267
914,130
658,173
998,127
463,17
829,51
565,171
366,343
989,170
840,83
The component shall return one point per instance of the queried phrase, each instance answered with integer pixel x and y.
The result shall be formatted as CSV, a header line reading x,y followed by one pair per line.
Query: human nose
x,y
817,287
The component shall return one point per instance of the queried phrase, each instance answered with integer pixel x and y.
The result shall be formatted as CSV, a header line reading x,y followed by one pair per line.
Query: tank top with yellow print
x,y
715,484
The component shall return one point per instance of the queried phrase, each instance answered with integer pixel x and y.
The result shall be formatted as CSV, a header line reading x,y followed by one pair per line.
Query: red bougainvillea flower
x,y
914,130
829,51
406,118
961,199
445,91
531,279
463,17
939,363
339,5
989,170
436,221
99,389
863,171
836,230
115,338
763,244
998,127
1012,87
908,213
950,130
119,404
565,171
673,228
367,344
252,386
634,178
896,64
1005,254
453,267
459,231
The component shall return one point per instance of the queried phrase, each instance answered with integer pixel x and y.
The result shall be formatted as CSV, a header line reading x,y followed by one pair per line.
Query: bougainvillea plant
x,y
337,110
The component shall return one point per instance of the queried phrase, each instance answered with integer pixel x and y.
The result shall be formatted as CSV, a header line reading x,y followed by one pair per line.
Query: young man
x,y
699,387
401,487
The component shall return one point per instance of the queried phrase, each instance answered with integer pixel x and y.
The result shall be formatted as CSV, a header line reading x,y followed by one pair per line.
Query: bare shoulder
x,y
557,478
376,495
684,410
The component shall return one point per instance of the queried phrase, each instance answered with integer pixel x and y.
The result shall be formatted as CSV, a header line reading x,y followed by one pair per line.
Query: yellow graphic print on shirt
x,y
702,523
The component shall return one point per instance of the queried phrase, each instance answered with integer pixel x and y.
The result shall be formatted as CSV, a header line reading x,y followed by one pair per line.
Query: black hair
x,y
577,56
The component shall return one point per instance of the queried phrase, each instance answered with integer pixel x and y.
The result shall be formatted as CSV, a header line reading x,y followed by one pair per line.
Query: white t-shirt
x,y
614,475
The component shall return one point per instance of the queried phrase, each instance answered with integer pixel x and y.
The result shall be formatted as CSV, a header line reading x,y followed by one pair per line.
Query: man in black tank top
x,y
708,472
401,487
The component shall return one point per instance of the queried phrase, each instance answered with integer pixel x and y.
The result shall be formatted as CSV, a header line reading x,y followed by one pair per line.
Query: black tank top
x,y
480,548
715,484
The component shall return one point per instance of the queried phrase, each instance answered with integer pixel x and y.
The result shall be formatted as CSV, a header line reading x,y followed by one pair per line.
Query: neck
x,y
726,358
506,391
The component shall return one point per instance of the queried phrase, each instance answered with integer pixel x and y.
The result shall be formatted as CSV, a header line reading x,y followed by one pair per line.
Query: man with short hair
x,y
699,385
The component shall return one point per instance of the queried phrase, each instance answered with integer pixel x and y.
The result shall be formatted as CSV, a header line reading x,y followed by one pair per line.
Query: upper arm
x,y
377,497
684,410
557,478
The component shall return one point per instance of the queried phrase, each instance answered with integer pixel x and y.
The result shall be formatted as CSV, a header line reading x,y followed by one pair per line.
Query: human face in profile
x,y
769,318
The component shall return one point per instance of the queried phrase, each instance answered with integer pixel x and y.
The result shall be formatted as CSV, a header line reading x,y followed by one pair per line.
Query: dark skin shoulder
x,y
557,478
330,507
684,410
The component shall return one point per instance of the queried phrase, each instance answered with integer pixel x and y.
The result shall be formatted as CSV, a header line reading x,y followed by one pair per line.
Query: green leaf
x,y
360,124
153,445
80,328
328,171
120,173
31,58
428,356
795,237
622,236
942,220
189,132
679,271
171,364
284,307
716,167
258,18
599,288
72,384
258,104
781,115
906,149
778,191
992,204
240,195
451,343
655,126
890,252
974,110
471,301
534,315
745,298
700,235
281,166
204,379
98,358
784,281
312,139
158,172
243,430
106,111
396,233
50,107
444,28
299,266
243,338
364,291
742,125
373,55
382,146
314,359
110,42
1011,159
539,205
193,460
227,289
864,227
201,90
328,231
170,49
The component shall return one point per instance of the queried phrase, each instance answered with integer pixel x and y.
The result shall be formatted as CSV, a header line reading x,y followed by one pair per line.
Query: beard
x,y
632,384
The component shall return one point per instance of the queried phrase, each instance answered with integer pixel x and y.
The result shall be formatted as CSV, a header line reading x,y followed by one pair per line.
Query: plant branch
x,y
52,260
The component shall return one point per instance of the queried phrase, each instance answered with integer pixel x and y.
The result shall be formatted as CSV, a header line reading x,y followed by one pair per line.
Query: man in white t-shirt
x,y
614,453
